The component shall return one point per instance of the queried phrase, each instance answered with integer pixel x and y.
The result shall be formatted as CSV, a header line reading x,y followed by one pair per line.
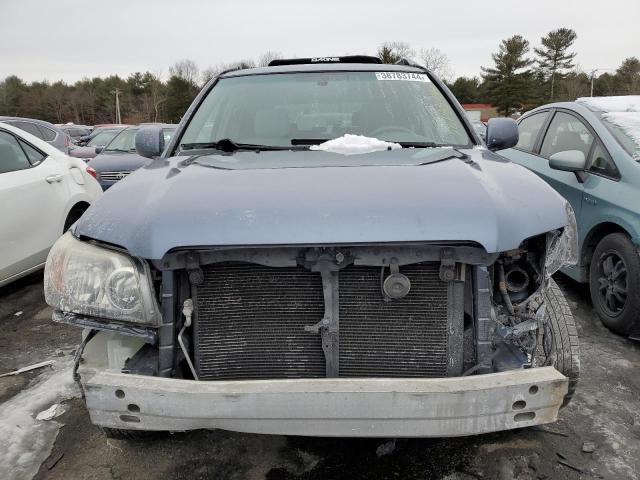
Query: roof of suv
x,y
324,67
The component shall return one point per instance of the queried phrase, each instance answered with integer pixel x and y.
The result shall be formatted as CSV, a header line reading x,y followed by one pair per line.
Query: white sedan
x,y
42,193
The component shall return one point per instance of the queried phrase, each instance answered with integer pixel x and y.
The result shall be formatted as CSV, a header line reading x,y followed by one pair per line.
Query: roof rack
x,y
345,59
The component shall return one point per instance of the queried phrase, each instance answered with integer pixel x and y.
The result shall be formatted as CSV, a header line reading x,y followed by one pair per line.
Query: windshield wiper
x,y
308,141
228,145
444,154
117,150
419,144
318,141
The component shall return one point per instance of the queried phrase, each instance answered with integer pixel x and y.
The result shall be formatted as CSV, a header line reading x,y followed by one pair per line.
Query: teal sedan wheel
x,y
614,281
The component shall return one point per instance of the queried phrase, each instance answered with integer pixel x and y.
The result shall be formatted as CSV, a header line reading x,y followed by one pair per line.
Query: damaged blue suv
x,y
325,247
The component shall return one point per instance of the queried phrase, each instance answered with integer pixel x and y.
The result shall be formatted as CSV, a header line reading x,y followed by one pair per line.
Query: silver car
x,y
46,131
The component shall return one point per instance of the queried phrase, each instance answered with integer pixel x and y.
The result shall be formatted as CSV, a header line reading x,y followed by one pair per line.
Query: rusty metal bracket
x,y
329,326
196,276
447,265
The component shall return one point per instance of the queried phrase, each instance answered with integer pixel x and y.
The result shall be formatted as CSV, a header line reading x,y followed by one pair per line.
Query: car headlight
x,y
562,245
98,282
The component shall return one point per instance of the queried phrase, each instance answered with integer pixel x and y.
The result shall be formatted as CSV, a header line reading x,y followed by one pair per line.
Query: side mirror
x,y
568,161
99,149
150,142
502,133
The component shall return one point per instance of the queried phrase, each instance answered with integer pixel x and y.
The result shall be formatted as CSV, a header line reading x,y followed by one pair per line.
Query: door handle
x,y
54,178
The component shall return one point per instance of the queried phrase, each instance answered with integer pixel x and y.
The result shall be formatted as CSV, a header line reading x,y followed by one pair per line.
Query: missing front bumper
x,y
343,407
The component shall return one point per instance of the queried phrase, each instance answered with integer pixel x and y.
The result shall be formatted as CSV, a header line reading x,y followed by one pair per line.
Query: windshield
x,y
625,127
125,141
284,110
102,138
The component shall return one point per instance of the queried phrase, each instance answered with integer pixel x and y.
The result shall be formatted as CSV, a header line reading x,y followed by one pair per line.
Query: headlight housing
x,y
98,282
562,245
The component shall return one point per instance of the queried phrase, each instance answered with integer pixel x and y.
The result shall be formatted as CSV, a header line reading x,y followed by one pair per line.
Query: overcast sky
x,y
70,39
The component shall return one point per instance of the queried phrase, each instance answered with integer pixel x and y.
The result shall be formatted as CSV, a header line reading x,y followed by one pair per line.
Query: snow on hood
x,y
623,103
26,442
355,144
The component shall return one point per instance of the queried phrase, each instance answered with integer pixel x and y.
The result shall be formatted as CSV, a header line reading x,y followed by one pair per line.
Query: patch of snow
x,y
17,314
627,121
26,442
52,412
355,144
622,103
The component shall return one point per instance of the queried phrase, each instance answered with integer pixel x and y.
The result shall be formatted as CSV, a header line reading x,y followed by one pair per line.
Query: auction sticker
x,y
406,76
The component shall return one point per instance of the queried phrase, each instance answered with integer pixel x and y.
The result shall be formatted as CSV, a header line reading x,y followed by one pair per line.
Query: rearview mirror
x,y
568,161
502,133
99,149
150,141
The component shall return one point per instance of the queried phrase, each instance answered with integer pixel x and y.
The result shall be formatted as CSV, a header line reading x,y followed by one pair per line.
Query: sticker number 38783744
x,y
406,76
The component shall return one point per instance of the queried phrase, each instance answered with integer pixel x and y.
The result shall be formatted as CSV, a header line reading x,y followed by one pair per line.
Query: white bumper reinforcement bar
x,y
342,407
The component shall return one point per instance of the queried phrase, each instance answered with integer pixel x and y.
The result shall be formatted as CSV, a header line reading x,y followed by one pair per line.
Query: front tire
x,y
561,345
614,279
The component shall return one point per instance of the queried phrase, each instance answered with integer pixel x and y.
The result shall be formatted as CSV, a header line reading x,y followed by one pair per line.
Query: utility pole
x,y
118,118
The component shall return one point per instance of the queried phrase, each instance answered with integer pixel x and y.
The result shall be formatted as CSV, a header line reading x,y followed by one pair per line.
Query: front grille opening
x,y
250,321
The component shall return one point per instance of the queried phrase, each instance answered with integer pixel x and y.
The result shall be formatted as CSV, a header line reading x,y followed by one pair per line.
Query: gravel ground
x,y
605,412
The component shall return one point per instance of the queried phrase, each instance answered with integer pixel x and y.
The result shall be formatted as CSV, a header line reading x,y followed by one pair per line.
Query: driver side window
x,y
12,157
566,132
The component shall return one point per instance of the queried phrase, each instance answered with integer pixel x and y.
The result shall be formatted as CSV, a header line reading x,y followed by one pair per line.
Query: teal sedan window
x,y
565,133
528,129
601,163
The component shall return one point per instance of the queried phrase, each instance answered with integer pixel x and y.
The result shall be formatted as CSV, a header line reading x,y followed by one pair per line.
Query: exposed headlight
x,y
88,280
562,245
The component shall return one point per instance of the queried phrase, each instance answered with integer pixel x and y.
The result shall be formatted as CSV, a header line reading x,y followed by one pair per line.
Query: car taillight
x,y
92,172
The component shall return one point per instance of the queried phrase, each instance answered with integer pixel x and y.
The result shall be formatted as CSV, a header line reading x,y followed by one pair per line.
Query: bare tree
x,y
267,57
211,72
185,69
391,52
157,92
437,62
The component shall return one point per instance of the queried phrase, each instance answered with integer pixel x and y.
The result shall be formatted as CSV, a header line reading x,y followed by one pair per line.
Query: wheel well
x,y
74,214
592,239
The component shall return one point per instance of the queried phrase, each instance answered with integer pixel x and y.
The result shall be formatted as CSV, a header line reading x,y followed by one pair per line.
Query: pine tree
x,y
466,89
553,57
508,83
628,76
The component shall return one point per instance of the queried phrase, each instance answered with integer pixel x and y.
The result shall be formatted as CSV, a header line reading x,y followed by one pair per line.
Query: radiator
x,y
250,320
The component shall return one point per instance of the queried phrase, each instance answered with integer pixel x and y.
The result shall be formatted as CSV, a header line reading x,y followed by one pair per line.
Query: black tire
x,y
561,341
614,280
120,434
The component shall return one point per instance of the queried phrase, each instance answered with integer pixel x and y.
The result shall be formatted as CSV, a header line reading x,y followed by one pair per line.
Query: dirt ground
x,y
605,412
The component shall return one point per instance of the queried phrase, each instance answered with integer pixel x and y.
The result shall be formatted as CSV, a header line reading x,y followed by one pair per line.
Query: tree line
x,y
517,80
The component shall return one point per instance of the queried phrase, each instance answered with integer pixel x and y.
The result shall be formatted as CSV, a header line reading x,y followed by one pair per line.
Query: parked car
x,y
76,132
324,247
97,140
119,158
588,151
42,193
100,128
45,131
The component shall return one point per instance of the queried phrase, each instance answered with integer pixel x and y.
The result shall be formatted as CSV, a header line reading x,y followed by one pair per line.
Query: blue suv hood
x,y
167,205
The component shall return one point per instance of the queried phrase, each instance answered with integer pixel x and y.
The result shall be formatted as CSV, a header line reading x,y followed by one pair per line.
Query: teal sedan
x,y
589,151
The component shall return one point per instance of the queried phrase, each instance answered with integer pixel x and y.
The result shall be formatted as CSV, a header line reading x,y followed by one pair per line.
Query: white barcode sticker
x,y
406,76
